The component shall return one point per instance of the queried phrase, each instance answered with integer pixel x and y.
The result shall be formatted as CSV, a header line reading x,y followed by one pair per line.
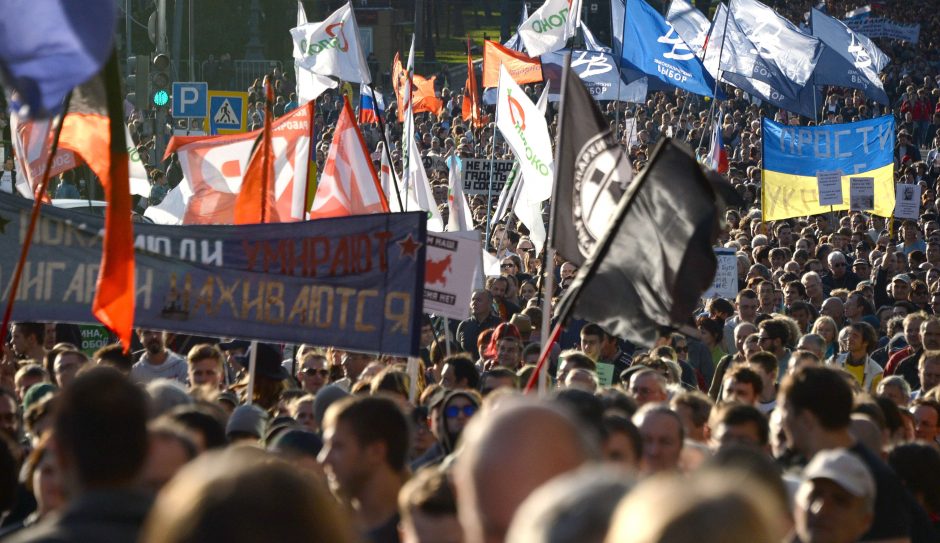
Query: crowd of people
x,y
806,408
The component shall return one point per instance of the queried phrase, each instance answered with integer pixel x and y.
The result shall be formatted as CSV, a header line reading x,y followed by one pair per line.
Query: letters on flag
x,y
793,154
691,25
599,73
520,66
653,47
777,39
849,59
349,185
213,168
525,129
550,26
332,48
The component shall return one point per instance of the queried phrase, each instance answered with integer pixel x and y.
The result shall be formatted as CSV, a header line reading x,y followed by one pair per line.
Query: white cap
x,y
843,468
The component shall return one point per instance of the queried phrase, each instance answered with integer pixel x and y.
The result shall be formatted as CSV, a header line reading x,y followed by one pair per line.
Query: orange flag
x,y
256,202
94,130
520,66
471,95
422,91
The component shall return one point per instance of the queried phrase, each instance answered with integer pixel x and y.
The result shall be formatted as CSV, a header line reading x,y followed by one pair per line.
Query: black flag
x,y
652,265
592,173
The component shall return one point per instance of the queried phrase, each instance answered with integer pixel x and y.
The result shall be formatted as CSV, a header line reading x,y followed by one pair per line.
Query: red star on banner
x,y
409,247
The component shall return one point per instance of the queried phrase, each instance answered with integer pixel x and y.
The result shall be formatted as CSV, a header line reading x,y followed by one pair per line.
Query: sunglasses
x,y
453,411
504,266
312,371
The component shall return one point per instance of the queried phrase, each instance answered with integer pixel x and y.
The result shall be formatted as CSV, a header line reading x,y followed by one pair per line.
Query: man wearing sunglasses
x,y
447,418
839,275
313,373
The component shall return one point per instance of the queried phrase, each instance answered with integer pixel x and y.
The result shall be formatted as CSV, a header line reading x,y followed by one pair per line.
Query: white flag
x,y
528,198
690,24
525,129
417,184
309,85
549,28
777,40
458,216
332,48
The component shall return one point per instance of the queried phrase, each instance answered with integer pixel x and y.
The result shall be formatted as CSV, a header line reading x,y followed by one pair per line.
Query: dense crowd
x,y
804,409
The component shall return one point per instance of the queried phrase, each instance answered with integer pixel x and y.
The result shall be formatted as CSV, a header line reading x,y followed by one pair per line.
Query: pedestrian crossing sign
x,y
228,112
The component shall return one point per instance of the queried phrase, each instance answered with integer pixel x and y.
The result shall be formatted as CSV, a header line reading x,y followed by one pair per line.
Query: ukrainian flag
x,y
792,155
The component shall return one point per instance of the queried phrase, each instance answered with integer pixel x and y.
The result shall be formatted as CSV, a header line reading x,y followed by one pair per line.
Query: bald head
x,y
507,453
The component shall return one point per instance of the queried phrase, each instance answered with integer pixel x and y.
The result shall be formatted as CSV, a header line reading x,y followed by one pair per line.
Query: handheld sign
x,y
861,193
907,205
830,187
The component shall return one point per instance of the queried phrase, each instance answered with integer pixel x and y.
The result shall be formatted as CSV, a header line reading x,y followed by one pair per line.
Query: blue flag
x,y
599,73
653,47
48,48
849,59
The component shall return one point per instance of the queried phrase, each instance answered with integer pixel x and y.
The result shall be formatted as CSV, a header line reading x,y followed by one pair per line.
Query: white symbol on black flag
x,y
601,178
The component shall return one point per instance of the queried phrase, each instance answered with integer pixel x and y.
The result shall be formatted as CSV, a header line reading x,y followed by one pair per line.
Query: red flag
x,y
214,168
94,130
471,95
255,202
349,185
520,66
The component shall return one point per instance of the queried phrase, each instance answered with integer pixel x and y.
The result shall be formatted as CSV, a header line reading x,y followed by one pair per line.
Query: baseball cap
x,y
902,277
843,468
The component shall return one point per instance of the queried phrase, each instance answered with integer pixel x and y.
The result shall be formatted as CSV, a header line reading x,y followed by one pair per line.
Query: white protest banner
x,y
725,284
830,187
476,175
861,193
451,264
907,203
631,132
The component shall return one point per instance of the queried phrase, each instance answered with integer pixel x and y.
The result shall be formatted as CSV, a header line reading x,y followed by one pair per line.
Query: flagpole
x,y
58,121
721,53
252,365
391,163
548,268
489,188
623,23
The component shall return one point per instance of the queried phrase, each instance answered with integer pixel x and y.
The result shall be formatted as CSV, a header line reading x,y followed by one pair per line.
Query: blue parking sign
x,y
228,112
190,99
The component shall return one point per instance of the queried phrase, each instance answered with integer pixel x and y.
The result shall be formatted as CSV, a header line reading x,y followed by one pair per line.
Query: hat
x,y
843,468
324,399
523,323
247,419
902,277
228,396
36,393
268,362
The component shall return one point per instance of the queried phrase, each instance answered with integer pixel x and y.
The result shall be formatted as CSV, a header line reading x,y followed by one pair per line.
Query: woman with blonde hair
x,y
825,327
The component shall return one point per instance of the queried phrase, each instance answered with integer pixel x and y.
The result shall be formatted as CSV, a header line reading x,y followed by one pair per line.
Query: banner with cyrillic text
x,y
793,154
353,283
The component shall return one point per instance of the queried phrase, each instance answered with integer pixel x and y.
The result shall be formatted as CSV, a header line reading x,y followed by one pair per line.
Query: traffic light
x,y
138,75
160,80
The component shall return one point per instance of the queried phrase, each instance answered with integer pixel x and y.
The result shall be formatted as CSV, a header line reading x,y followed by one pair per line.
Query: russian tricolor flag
x,y
717,156
369,105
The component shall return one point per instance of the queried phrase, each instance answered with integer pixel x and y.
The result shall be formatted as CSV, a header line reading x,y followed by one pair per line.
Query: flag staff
x,y
33,217
388,153
489,188
548,268
721,52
